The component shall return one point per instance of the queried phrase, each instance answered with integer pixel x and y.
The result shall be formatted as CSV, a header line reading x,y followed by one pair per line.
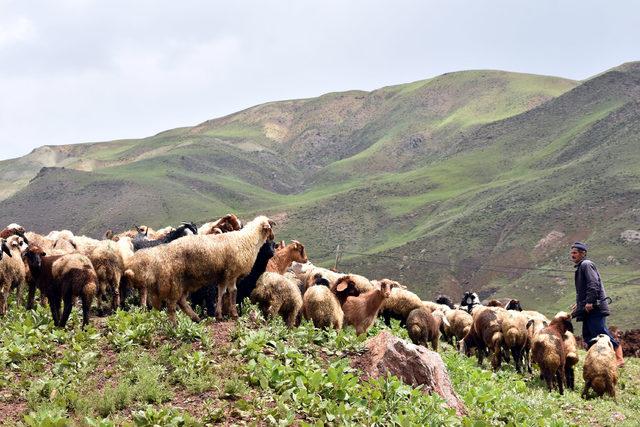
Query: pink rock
x,y
414,365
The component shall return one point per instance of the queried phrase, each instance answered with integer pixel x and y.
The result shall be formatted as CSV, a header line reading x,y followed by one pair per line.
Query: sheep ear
x,y
529,323
545,323
272,223
445,320
342,286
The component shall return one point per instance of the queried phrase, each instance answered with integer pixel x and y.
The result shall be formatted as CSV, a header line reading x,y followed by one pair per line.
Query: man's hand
x,y
588,307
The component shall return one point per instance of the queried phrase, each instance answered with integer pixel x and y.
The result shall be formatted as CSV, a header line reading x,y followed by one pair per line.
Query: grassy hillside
x,y
134,369
472,180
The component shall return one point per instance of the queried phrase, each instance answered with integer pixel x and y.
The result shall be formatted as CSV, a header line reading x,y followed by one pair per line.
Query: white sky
x,y
76,71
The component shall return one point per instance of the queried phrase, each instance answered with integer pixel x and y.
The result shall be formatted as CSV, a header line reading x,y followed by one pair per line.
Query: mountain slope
x,y
468,180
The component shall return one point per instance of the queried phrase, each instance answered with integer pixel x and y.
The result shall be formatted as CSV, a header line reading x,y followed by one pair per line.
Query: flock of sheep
x,y
223,262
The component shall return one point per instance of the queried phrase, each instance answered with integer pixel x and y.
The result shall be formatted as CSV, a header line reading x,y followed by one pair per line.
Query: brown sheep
x,y
283,257
170,272
321,306
600,371
399,304
485,335
361,311
549,352
424,325
63,278
227,223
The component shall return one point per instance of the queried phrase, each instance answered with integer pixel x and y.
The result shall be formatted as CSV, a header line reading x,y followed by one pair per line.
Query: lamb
x,y
424,326
186,229
12,269
63,277
172,271
459,325
549,352
361,311
321,306
285,256
485,334
600,371
305,271
277,294
516,338
399,304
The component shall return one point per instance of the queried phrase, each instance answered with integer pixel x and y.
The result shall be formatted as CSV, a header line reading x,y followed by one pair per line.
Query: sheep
x,y
172,271
446,300
186,229
321,306
14,230
424,326
207,295
469,301
572,359
600,371
433,306
63,277
459,325
277,294
535,323
485,334
283,257
399,305
513,304
516,338
12,270
549,352
4,248
361,311
306,271
227,223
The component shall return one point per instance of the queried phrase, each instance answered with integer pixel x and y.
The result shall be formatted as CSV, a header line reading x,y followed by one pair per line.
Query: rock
x,y
630,236
414,365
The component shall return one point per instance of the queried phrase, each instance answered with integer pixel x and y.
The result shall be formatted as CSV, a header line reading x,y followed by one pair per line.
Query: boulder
x,y
414,365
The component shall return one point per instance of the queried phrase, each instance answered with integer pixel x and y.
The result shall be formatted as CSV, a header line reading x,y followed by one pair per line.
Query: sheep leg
x,y
435,344
184,305
222,287
233,310
86,305
560,379
585,390
517,358
54,305
568,373
548,378
31,296
143,297
171,309
496,360
115,302
68,303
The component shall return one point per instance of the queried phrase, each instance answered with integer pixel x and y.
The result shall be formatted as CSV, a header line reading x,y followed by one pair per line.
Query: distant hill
x,y
474,179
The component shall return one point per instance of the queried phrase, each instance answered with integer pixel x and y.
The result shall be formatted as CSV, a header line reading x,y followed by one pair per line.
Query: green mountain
x,y
470,180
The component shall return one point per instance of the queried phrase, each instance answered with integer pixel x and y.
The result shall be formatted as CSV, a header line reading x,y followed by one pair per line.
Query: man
x,y
591,305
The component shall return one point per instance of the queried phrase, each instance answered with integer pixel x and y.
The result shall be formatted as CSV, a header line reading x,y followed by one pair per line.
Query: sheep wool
x,y
321,306
276,294
600,371
12,271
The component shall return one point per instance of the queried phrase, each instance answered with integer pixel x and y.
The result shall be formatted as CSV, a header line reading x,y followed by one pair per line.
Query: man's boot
x,y
619,358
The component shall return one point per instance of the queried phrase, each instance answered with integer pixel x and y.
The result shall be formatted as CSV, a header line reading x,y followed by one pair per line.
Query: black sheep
x,y
141,241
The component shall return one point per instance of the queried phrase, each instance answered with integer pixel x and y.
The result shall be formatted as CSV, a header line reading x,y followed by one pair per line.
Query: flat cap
x,y
580,246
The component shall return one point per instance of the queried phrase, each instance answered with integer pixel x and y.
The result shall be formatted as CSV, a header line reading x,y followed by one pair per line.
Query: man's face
x,y
576,255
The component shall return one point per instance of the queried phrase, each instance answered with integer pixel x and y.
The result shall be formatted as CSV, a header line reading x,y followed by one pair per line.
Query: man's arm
x,y
592,280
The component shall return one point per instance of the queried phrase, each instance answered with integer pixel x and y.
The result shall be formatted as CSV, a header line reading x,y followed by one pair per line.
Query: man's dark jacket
x,y
589,289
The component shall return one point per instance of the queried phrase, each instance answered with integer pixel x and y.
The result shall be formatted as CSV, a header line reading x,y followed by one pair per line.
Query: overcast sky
x,y
76,71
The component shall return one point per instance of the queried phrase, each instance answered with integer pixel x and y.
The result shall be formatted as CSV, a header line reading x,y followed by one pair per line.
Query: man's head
x,y
578,252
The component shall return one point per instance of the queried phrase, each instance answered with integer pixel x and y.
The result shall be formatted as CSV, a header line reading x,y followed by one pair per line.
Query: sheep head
x,y
563,321
602,340
299,254
514,304
17,242
34,254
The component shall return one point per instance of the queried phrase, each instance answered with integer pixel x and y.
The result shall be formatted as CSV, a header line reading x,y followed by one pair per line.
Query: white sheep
x,y
12,270
277,294
600,371
321,306
174,270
